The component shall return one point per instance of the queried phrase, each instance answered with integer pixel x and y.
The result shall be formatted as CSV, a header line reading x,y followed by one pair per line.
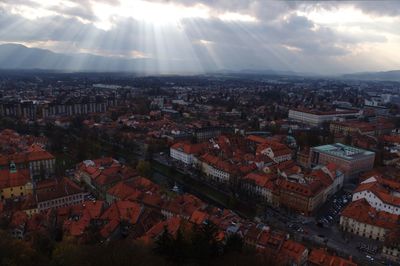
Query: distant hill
x,y
16,56
379,76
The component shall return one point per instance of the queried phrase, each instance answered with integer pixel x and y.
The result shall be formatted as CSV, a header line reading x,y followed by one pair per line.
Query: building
x,y
101,174
317,118
217,169
206,133
305,193
365,128
278,152
350,160
360,218
15,182
303,158
381,193
40,162
391,252
185,152
321,257
57,193
300,197
349,127
276,245
259,185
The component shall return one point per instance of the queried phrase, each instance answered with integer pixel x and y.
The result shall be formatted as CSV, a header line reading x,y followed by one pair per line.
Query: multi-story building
x,y
350,160
360,218
15,182
317,118
206,133
185,152
305,193
259,185
349,127
57,193
381,193
391,247
278,152
39,161
365,128
217,169
321,257
101,174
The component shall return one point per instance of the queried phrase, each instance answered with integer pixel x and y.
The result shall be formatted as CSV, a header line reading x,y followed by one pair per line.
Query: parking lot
x,y
329,213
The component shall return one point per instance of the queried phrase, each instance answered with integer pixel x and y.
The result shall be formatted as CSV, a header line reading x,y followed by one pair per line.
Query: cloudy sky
x,y
326,37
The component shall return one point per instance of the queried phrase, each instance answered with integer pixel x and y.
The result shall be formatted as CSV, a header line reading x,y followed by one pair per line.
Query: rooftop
x,y
343,151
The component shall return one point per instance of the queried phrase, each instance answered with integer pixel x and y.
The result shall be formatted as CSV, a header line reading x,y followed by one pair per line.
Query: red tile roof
x,y
380,191
320,257
56,188
189,148
260,179
123,211
362,212
14,179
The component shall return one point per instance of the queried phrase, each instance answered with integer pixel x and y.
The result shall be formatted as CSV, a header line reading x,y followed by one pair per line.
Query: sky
x,y
322,37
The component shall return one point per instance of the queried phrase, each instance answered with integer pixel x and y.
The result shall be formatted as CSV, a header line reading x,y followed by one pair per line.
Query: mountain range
x,y
17,56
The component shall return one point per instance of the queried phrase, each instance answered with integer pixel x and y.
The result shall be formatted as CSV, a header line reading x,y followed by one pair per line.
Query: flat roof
x,y
344,151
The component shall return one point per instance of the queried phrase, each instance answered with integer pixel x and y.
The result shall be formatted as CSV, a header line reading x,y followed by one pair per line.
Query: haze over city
x,y
188,36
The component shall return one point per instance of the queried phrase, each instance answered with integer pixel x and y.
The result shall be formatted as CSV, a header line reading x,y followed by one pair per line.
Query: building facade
x,y
350,160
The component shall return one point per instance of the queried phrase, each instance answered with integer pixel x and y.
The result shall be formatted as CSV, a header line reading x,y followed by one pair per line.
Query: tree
x,y
234,244
164,244
14,252
144,168
205,244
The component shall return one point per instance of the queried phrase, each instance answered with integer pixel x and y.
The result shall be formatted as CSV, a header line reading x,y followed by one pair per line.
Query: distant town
x,y
214,169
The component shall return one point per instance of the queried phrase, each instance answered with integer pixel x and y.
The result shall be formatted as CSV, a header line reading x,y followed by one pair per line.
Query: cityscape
x,y
179,134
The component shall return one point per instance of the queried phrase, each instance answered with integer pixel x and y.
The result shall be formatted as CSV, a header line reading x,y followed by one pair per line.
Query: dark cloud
x,y
281,39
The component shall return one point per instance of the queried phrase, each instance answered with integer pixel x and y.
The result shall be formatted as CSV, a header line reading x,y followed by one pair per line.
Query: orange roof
x,y
277,148
172,225
106,171
380,191
9,179
321,257
294,250
362,212
123,211
56,188
189,148
199,217
260,179
86,212
219,163
308,190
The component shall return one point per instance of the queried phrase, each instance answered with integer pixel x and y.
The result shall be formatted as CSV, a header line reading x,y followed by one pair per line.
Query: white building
x,y
259,185
317,118
185,152
216,169
377,196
